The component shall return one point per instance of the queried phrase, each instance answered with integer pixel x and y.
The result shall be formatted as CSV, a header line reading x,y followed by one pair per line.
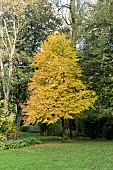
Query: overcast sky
x,y
65,1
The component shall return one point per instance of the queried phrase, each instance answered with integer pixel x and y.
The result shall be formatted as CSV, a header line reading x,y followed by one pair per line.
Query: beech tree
x,y
56,90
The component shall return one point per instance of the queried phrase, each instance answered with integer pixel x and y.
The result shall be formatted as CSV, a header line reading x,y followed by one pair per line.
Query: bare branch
x,y
82,6
15,32
63,6
66,20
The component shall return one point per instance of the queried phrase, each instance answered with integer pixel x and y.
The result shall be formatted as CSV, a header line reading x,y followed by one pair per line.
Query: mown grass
x,y
43,139
53,154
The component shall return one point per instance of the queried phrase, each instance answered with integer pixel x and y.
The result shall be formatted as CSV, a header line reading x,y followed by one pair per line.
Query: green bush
x,y
2,146
2,136
7,127
25,128
34,128
55,129
30,128
109,131
14,144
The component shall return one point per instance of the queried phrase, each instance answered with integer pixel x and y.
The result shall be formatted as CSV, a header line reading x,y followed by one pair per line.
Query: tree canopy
x,y
97,54
56,90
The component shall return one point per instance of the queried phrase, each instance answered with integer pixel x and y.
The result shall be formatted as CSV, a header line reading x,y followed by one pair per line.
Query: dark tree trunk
x,y
63,129
18,124
77,127
70,128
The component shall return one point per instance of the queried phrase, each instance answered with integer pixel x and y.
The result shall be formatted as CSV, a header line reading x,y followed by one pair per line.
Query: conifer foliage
x,y
56,90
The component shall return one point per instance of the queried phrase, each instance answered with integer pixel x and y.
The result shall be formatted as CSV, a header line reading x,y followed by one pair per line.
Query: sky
x,y
65,1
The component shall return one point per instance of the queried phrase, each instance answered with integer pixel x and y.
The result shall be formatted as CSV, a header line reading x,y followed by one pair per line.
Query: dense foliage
x,y
97,54
7,125
24,27
14,144
56,90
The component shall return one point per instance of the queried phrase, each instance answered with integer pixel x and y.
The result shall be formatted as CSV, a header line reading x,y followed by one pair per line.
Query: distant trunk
x,y
75,18
63,129
77,127
70,128
18,124
6,106
18,119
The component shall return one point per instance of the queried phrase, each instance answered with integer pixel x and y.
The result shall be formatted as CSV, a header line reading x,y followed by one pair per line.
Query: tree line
x,y
25,27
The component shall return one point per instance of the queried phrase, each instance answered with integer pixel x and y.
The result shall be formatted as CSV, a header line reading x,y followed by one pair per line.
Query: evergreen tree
x,y
96,59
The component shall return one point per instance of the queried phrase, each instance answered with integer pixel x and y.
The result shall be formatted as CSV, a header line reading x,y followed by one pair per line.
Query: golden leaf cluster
x,y
56,89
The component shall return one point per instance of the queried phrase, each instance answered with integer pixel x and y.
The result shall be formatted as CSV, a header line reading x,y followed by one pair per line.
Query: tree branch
x,y
7,33
3,77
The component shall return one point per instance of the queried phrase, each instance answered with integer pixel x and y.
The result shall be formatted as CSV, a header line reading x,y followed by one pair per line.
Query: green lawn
x,y
55,155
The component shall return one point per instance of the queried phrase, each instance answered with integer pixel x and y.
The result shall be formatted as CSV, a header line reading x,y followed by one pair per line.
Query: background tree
x,y
96,59
73,13
11,22
24,26
40,21
92,23
56,90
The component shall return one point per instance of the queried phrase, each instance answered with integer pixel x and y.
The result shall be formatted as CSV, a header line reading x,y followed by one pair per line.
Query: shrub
x,y
25,128
34,128
2,146
7,127
30,128
14,144
55,129
109,131
2,136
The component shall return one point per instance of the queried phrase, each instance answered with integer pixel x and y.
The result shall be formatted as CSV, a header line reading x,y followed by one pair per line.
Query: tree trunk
x,y
5,88
77,127
18,119
8,45
63,129
74,19
6,106
70,128
6,84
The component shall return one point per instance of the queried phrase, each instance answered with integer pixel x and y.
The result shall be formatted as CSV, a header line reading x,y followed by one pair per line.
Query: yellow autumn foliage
x,y
56,90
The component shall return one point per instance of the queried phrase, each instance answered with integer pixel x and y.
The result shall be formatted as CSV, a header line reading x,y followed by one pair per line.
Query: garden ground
x,y
53,154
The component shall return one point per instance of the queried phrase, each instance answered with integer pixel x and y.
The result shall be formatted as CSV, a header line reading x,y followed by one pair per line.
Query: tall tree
x,y
56,90
97,56
40,21
11,22
73,13
24,26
